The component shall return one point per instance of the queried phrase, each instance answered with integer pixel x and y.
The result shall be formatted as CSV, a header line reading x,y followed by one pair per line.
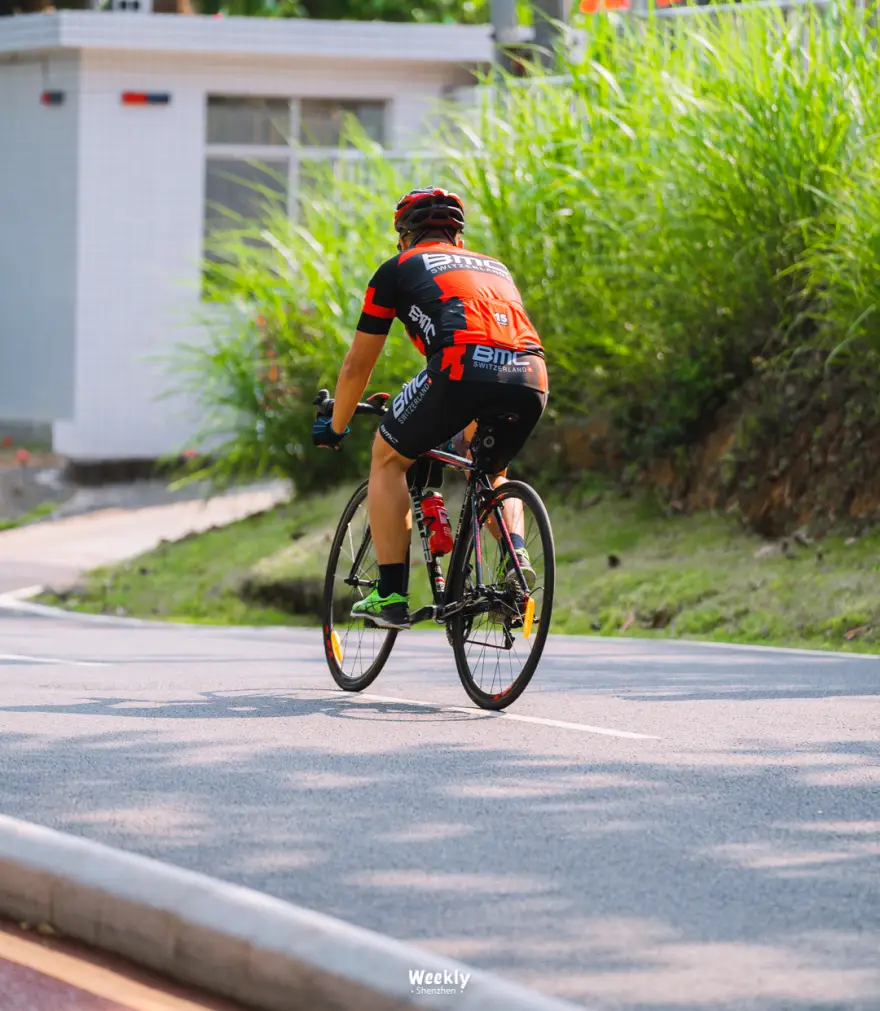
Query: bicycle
x,y
471,608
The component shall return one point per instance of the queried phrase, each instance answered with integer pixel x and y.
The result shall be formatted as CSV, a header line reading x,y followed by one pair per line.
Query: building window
x,y
321,120
252,121
258,148
236,191
248,158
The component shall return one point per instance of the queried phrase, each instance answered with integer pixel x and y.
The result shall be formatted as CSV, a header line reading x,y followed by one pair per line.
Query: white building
x,y
104,201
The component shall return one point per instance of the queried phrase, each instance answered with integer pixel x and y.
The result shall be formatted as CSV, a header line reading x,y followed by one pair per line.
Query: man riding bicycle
x,y
485,361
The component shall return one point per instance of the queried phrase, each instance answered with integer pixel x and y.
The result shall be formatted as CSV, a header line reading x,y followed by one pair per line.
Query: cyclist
x,y
485,361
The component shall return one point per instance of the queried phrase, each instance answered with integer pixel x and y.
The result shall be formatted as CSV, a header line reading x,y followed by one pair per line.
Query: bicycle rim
x,y
497,649
355,652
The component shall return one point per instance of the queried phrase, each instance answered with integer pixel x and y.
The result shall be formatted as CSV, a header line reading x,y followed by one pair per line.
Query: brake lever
x,y
324,402
379,402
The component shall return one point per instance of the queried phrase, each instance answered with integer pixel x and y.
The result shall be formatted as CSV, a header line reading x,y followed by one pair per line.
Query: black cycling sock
x,y
392,579
517,542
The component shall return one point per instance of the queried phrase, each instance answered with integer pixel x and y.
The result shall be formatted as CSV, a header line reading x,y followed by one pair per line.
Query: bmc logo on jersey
x,y
409,393
497,356
437,262
423,320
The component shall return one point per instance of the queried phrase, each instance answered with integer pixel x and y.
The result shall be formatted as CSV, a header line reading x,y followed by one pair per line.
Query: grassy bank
x,y
684,207
625,567
40,512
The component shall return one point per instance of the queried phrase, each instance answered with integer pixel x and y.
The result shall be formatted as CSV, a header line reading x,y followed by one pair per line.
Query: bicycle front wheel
x,y
355,652
498,636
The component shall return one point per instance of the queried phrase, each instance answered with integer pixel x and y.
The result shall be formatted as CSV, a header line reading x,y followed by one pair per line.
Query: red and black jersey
x,y
446,296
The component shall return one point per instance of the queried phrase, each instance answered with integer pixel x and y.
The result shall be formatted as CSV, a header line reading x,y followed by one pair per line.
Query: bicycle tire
x,y
459,628
328,622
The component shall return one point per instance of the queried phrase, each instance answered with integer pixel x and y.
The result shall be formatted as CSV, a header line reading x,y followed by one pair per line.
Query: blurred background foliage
x,y
687,204
461,11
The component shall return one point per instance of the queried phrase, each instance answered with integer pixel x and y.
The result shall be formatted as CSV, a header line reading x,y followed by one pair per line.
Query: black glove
x,y
323,434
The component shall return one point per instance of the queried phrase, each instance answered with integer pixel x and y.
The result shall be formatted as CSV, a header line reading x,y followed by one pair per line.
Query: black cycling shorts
x,y
433,408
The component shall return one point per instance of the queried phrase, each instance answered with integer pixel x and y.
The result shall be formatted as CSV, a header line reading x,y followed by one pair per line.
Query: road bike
x,y
496,615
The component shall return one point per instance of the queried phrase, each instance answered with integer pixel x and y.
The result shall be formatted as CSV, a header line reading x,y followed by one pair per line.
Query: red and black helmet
x,y
429,208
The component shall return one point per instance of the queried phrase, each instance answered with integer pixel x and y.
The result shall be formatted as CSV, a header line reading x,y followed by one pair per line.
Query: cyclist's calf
x,y
389,503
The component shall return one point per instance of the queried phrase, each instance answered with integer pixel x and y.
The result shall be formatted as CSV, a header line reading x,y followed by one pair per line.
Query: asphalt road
x,y
723,854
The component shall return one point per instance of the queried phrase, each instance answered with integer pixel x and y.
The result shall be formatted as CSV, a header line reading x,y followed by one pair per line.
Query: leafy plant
x,y
656,205
693,199
465,11
282,303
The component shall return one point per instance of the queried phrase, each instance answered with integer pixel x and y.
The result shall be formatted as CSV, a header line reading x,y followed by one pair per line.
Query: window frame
x,y
383,102
294,152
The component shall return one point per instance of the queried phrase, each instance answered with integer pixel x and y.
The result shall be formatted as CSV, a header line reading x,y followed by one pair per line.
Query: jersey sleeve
x,y
379,311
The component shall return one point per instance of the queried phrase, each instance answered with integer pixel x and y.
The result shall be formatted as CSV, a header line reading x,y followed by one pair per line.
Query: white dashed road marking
x,y
584,728
51,659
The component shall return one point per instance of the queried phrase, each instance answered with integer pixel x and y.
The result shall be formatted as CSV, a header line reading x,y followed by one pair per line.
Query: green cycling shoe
x,y
507,571
383,612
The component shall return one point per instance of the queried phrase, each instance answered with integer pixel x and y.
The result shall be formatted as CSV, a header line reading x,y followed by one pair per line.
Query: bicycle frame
x,y
478,485
435,571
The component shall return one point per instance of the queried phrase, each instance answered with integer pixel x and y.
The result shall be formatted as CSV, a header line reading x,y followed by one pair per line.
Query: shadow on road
x,y
282,705
748,878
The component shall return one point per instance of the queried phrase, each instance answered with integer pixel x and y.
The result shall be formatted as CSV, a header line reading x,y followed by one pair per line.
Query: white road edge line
x,y
20,600
540,720
53,659
741,647
24,593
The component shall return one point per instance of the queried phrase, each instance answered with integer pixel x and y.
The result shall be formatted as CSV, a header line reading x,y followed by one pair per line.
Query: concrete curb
x,y
226,939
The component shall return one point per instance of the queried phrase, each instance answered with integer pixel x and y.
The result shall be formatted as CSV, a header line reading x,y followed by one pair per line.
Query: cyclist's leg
x,y
390,518
461,445
389,503
513,436
512,414
422,416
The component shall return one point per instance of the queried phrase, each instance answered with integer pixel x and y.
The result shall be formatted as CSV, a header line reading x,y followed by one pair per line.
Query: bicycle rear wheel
x,y
355,652
499,636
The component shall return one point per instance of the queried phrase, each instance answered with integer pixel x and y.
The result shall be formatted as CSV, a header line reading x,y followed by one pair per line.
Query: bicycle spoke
x,y
494,656
363,650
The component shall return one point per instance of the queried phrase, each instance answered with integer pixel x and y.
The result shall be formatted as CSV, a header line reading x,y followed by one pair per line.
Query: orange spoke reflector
x,y
529,618
336,646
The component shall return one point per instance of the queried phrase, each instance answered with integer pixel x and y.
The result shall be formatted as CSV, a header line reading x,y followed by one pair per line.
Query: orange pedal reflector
x,y
529,618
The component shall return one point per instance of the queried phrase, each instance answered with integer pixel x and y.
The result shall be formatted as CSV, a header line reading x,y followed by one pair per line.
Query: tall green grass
x,y
694,199
661,210
282,299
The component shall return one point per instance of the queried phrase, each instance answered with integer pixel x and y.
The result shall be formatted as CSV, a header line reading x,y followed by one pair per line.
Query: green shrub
x,y
842,268
656,209
282,302
695,198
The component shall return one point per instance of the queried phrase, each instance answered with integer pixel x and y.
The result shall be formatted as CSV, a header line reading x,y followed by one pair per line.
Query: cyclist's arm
x,y
377,316
354,376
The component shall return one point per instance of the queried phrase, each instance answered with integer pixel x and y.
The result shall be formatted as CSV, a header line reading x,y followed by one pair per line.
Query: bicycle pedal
x,y
369,623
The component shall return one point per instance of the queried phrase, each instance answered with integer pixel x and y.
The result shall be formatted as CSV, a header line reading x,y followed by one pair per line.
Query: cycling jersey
x,y
449,297
462,311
